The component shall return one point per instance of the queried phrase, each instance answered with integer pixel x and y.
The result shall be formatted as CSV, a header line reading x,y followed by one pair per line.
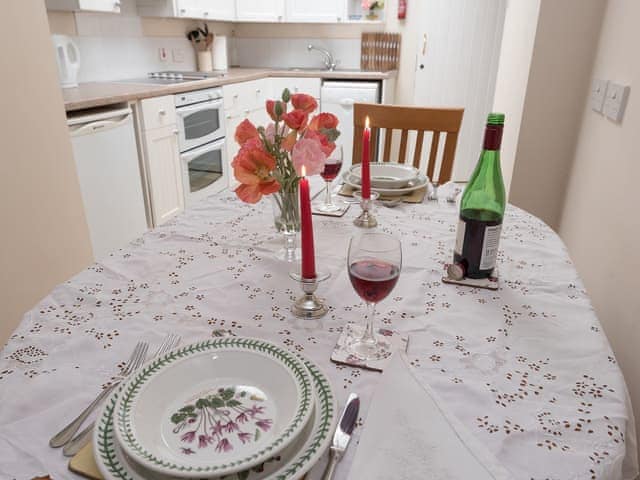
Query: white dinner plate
x,y
291,464
213,408
419,182
386,174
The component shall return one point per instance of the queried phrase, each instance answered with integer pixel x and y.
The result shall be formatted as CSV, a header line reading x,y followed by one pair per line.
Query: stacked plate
x,y
233,408
389,179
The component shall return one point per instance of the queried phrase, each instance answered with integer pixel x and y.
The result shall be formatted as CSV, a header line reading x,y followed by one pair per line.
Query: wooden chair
x,y
391,117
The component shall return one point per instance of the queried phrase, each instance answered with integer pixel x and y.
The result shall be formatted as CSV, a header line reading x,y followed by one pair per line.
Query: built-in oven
x,y
200,116
204,170
201,143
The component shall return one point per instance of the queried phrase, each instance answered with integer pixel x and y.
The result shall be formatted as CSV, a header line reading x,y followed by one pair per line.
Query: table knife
x,y
342,434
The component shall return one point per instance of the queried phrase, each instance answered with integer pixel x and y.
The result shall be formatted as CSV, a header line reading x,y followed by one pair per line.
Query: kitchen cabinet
x,y
310,86
162,167
326,11
201,9
260,10
112,6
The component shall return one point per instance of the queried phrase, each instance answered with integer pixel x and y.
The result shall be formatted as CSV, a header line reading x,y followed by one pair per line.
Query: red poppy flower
x,y
304,102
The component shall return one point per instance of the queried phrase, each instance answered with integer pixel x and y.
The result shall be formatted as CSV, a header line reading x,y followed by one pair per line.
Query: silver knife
x,y
343,434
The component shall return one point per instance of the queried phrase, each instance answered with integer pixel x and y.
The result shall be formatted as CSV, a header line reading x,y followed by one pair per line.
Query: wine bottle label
x,y
462,227
490,247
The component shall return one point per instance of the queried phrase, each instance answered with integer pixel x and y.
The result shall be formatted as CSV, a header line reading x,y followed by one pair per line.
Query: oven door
x,y
204,171
200,123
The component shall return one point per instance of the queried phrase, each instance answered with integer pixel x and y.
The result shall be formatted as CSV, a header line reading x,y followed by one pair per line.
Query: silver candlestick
x,y
366,218
308,305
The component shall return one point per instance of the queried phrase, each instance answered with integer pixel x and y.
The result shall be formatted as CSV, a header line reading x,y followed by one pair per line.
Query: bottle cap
x,y
495,119
455,271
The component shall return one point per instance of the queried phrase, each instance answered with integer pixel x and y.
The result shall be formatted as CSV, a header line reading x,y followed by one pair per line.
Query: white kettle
x,y
68,58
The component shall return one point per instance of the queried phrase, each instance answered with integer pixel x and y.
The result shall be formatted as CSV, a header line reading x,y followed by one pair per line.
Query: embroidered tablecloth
x,y
526,369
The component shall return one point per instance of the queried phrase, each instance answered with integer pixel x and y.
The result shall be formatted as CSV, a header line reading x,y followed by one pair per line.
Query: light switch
x,y
598,92
615,101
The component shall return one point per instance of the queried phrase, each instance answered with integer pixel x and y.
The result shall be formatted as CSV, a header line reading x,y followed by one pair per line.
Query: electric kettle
x,y
68,58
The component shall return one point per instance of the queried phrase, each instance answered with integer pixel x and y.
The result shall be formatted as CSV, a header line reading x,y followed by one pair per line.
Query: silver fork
x,y
64,435
170,342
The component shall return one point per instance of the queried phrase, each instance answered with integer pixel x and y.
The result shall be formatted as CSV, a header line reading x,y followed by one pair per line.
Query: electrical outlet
x,y
178,55
163,55
598,93
616,101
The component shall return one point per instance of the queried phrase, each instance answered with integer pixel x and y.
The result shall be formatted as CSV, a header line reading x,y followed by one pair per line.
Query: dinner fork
x,y
66,434
170,342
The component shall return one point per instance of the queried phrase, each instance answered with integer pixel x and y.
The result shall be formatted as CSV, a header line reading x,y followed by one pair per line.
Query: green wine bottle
x,y
481,210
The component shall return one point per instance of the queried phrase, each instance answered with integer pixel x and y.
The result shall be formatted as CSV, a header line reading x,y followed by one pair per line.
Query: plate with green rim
x,y
213,408
291,464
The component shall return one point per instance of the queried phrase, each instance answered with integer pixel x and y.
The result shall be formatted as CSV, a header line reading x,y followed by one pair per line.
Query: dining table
x,y
526,369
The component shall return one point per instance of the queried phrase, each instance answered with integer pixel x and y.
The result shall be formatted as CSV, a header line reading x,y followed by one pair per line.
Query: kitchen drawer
x,y
242,98
158,112
310,86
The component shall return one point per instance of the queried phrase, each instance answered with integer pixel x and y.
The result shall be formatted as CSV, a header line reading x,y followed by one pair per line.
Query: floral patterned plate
x,y
291,464
213,408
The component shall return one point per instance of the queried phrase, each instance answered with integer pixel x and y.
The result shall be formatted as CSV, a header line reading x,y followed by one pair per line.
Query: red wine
x,y
331,171
477,244
373,280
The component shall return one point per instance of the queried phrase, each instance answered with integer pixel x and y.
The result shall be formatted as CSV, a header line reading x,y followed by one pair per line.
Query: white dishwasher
x,y
338,98
106,157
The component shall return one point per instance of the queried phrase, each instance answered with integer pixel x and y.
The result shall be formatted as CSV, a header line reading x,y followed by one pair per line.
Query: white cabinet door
x,y
219,9
326,11
260,10
164,173
232,147
188,8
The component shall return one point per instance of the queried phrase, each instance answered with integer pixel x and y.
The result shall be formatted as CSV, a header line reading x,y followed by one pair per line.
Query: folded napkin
x,y
407,436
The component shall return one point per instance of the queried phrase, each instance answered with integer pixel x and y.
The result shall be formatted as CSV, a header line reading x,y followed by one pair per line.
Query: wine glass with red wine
x,y
329,173
374,262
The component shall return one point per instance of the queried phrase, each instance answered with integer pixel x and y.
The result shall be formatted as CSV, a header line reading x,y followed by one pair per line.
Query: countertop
x,y
95,94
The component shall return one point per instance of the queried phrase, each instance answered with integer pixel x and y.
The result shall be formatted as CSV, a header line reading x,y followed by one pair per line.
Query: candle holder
x,y
366,218
308,305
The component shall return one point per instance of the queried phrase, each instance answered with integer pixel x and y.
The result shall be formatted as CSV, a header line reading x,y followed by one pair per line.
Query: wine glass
x,y
329,173
374,262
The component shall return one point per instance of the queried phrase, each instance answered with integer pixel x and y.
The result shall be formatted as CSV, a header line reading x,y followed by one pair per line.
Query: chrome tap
x,y
328,59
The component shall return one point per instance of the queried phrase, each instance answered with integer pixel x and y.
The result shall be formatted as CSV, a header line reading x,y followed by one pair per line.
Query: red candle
x,y
306,229
366,178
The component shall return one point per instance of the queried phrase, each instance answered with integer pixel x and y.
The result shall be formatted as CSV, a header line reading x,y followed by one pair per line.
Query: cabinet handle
x,y
228,117
162,111
339,19
182,11
206,14
279,18
247,111
117,4
235,95
176,132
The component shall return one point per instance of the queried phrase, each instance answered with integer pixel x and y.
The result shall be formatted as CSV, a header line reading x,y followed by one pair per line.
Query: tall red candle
x,y
306,229
366,178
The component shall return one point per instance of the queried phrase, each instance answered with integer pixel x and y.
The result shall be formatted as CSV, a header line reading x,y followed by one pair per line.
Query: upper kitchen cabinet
x,y
260,10
112,6
201,9
314,11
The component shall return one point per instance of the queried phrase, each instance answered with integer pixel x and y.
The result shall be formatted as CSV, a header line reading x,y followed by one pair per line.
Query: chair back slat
x,y
433,153
417,155
445,121
388,135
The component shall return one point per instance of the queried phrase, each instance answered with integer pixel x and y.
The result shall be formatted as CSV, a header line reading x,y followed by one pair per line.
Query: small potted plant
x,y
202,41
371,8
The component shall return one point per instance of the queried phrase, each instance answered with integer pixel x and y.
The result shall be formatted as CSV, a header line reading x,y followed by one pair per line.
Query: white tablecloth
x,y
527,369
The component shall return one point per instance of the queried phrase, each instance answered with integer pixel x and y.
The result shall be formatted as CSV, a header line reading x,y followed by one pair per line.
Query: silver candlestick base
x,y
308,305
366,218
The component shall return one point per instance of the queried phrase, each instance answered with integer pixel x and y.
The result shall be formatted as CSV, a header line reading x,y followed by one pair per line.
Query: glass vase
x,y
286,217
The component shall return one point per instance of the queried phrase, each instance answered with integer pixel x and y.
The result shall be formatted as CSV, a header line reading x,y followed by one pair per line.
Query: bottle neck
x,y
493,137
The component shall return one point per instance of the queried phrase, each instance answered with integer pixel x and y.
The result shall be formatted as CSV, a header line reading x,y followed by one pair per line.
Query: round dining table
x,y
526,369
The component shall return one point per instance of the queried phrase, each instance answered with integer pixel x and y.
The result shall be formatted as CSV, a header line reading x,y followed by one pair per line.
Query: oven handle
x,y
191,154
215,103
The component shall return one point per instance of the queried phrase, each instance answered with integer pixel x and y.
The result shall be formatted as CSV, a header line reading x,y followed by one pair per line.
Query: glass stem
x,y
327,197
368,335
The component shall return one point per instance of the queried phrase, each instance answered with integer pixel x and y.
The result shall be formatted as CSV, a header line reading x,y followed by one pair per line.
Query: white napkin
x,y
407,436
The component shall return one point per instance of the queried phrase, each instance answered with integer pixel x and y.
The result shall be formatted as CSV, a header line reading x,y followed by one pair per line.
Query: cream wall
x,y
44,234
518,36
600,222
559,80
